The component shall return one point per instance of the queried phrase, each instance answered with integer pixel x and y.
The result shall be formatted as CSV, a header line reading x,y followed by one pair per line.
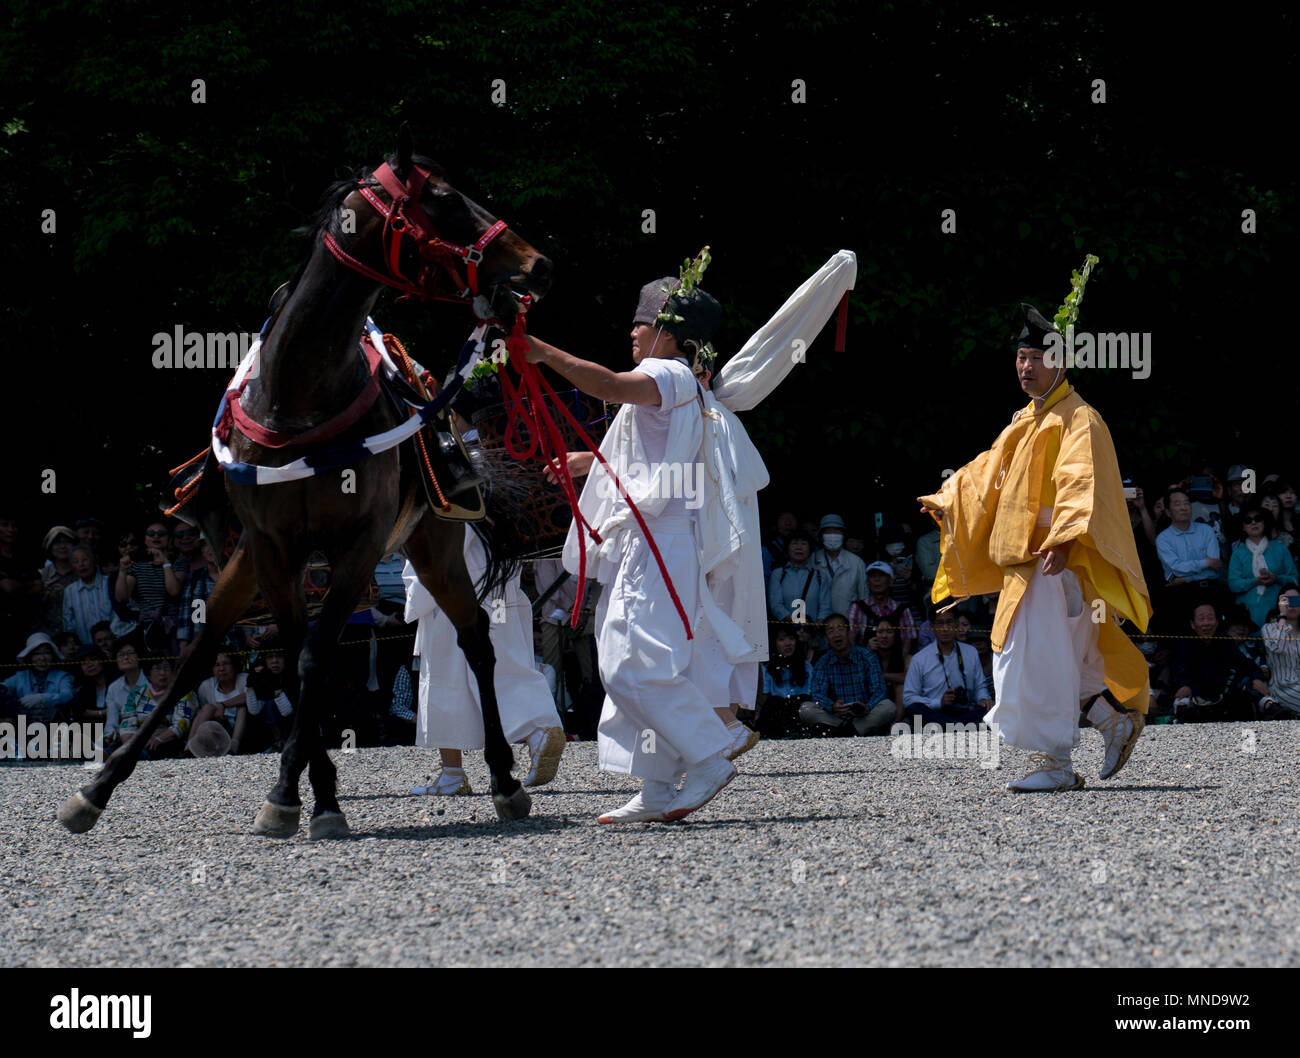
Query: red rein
x,y
544,433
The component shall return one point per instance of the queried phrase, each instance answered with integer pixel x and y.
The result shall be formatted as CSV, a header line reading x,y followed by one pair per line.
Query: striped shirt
x,y
150,586
1282,642
140,702
85,605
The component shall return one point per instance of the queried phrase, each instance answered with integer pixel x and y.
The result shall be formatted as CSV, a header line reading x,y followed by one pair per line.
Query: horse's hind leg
x,y
230,596
278,817
435,550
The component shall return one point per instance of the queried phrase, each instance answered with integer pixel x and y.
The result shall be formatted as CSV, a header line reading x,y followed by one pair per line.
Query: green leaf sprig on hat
x,y
689,278
1068,313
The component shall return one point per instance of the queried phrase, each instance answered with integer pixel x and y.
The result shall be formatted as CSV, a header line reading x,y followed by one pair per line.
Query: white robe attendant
x,y
451,715
658,715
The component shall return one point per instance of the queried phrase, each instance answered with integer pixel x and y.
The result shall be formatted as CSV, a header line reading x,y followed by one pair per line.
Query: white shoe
x,y
703,782
1119,732
545,748
451,782
1053,774
743,741
648,806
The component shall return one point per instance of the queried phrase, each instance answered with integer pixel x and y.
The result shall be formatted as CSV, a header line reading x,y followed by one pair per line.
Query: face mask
x,y
833,541
893,550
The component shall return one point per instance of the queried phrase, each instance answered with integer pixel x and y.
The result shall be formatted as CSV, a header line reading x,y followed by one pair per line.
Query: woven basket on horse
x,y
542,516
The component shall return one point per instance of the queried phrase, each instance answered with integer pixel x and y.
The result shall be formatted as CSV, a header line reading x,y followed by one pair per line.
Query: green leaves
x,y
1068,313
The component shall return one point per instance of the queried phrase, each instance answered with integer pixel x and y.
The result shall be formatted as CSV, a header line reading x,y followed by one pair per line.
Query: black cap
x,y
1036,328
700,311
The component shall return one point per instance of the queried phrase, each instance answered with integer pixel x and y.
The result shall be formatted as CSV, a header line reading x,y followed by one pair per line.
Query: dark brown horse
x,y
309,372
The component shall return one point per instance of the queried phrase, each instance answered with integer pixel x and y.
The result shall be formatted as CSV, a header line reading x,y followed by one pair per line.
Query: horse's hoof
x,y
327,825
516,806
78,814
276,821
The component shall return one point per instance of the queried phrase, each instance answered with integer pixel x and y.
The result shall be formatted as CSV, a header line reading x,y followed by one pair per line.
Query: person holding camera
x,y
849,695
945,683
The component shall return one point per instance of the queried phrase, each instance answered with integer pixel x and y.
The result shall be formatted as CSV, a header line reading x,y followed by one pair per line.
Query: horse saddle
x,y
442,460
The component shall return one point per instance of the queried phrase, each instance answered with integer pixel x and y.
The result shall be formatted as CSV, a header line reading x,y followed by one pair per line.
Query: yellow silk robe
x,y
1059,456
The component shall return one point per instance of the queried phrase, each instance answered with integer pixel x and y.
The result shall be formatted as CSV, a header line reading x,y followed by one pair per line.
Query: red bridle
x,y
404,218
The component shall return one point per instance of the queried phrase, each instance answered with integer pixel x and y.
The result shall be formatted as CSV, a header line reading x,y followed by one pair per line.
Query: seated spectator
x,y
1239,628
787,684
774,551
864,613
223,698
42,690
843,572
399,730
848,689
268,701
798,580
56,574
90,535
142,581
1261,566
85,600
1189,557
893,542
1282,644
1287,520
887,644
189,579
1215,681
127,661
1273,505
166,741
945,683
855,545
1208,502
90,701
101,635
68,645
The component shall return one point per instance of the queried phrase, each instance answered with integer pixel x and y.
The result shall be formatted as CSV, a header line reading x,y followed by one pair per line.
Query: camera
x,y
858,709
959,697
1201,489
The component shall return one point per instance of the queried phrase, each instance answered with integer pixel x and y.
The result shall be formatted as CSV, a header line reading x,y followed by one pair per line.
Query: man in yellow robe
x,y
1041,518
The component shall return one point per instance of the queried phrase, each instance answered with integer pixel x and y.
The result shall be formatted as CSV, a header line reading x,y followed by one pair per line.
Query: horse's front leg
x,y
230,596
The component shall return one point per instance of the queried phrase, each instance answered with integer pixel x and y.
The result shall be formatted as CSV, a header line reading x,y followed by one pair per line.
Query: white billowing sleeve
x,y
763,362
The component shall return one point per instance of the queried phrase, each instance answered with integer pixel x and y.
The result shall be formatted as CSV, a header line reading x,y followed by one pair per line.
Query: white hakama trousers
x,y
1048,664
451,715
660,692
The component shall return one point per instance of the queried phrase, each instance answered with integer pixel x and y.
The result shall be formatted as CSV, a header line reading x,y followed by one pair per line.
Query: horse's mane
x,y
328,218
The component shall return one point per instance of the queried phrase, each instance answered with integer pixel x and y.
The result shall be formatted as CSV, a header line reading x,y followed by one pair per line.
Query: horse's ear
x,y
404,149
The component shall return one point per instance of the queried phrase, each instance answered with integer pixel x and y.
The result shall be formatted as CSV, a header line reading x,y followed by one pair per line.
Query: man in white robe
x,y
660,719
451,715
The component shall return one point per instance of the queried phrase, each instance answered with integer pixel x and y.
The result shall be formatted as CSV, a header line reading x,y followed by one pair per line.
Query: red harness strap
x,y
259,434
546,434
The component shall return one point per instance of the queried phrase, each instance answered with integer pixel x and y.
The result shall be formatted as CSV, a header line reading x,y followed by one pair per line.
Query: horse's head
x,y
433,241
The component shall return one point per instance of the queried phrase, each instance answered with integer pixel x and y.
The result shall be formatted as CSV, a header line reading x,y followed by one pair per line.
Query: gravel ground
x,y
823,852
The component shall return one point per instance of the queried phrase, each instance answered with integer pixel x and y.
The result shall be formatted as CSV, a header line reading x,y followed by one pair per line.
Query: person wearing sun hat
x,y
1041,517
41,689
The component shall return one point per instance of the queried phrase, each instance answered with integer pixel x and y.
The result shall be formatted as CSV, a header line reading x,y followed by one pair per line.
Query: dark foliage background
x,y
171,212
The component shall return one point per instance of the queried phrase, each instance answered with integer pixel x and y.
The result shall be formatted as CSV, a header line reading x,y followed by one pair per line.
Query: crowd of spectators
x,y
1218,556
95,625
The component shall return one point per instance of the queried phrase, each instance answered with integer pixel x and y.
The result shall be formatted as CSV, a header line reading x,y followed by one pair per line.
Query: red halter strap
x,y
404,217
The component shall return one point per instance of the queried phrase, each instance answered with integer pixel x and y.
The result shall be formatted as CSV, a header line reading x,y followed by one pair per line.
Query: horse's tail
x,y
506,496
